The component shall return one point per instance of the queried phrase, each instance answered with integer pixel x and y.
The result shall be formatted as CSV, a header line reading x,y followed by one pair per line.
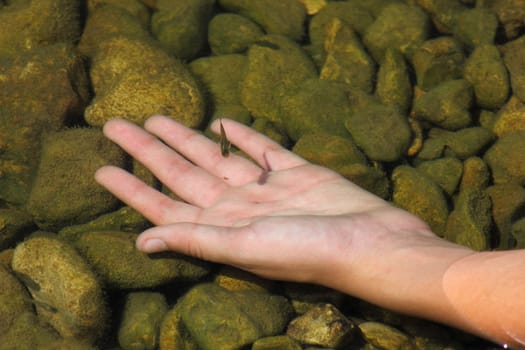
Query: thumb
x,y
206,242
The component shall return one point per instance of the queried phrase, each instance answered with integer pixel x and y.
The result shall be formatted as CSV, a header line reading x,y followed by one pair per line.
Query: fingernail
x,y
154,245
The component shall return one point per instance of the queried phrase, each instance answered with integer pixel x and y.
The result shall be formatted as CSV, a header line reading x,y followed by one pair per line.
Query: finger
x,y
202,151
190,182
266,152
155,206
206,242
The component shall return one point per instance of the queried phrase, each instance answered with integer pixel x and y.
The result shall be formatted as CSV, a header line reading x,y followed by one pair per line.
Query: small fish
x,y
265,171
224,142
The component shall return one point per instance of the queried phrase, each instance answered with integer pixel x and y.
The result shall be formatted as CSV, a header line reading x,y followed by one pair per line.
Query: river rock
x,y
67,293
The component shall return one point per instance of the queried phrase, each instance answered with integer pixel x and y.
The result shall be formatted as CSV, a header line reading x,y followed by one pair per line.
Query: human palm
x,y
277,216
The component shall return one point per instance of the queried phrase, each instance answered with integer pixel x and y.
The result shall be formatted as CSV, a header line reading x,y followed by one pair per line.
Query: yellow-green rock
x,y
113,255
418,194
446,172
510,118
231,33
506,158
14,299
140,325
278,342
476,26
385,337
14,225
393,85
67,293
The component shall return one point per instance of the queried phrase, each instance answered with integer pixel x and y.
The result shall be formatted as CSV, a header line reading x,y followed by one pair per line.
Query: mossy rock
x,y
418,194
121,265
14,299
272,59
469,224
393,81
510,118
64,191
219,319
317,106
67,293
476,26
181,26
446,172
514,52
14,225
485,70
141,319
232,33
506,158
284,17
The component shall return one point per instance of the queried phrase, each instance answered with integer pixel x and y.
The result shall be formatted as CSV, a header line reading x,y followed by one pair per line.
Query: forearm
x,y
481,293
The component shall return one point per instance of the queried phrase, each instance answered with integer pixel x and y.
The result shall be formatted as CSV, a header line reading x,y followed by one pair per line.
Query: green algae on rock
x,y
107,250
507,159
486,72
470,222
64,191
65,284
283,17
218,319
26,25
314,107
438,60
28,332
476,174
381,131
277,342
141,319
323,325
346,59
511,117
29,109
274,58
14,225
419,195
393,85
181,26
385,337
446,105
513,53
476,26
173,333
14,300
446,172
398,25
230,33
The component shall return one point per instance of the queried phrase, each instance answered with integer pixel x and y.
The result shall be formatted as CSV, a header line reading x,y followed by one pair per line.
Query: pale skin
x,y
305,223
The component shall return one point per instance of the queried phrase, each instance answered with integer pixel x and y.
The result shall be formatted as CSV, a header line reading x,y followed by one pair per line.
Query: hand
x,y
302,223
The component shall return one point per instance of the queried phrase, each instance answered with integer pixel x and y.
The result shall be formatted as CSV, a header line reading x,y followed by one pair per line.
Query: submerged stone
x,y
506,158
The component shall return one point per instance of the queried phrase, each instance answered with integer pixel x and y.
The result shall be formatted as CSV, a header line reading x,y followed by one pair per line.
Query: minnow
x,y
265,171
224,142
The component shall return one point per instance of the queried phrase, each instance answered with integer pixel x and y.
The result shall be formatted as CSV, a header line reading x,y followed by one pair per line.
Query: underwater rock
x,y
66,291
518,233
181,26
508,204
113,255
372,179
486,72
234,279
222,77
305,297
506,158
278,342
511,15
272,59
137,8
399,26
353,13
284,17
476,26
323,325
462,144
469,224
143,313
446,172
511,117
329,150
271,130
230,33
65,191
173,333
513,53
346,59
219,319
125,219
30,109
26,25
419,195
476,174
438,60
385,337
446,105
393,85
444,13
317,106
14,300
381,131
14,225
107,22
28,332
